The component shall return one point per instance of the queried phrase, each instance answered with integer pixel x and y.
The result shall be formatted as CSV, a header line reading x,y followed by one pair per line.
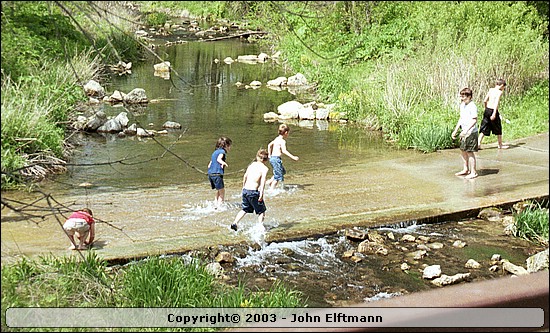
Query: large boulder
x,y
110,126
538,262
297,80
136,96
290,109
93,88
95,121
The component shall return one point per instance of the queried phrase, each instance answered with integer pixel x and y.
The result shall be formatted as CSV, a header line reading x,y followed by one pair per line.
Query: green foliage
x,y
42,49
277,296
35,109
27,132
427,136
526,114
202,9
156,19
382,68
118,46
55,282
171,282
532,223
33,31
155,282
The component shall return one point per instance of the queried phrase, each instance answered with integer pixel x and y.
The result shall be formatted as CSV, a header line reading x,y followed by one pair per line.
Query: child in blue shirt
x,y
216,168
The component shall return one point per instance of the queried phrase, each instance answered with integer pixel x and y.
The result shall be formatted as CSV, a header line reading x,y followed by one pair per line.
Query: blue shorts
x,y
216,181
250,202
278,168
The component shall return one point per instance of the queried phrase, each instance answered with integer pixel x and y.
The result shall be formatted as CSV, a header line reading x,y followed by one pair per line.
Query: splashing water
x,y
257,234
310,254
205,208
380,296
281,189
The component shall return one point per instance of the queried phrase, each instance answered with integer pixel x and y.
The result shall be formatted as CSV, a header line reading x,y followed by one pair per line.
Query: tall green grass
x,y
36,108
46,61
172,282
532,223
524,115
155,282
407,61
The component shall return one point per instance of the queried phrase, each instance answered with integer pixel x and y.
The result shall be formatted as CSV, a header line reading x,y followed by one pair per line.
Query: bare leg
x,y
500,145
82,240
472,163
73,243
220,196
261,217
479,139
465,170
274,184
239,216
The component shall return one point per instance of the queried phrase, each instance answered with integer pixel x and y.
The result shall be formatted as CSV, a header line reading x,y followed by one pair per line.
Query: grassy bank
x,y
399,68
49,52
156,282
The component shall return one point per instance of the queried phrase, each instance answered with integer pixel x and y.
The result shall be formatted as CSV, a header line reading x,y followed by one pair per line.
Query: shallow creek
x,y
319,268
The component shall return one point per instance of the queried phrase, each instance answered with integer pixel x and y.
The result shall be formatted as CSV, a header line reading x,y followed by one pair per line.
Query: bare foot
x,y
82,247
72,247
471,175
503,147
462,173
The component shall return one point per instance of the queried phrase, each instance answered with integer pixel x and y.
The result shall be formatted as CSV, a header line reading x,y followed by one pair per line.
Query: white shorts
x,y
76,225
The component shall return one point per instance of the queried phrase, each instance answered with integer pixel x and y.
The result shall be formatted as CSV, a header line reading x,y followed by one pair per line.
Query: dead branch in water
x,y
247,33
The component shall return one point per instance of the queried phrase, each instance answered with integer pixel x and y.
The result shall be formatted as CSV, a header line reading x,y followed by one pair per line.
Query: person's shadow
x,y
485,172
510,146
98,244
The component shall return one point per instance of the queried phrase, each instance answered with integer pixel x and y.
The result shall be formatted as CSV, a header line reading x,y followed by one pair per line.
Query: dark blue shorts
x,y
216,181
278,168
250,202
487,125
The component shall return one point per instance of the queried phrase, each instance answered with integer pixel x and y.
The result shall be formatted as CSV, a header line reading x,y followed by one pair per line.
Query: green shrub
x,y
203,9
383,67
427,137
532,223
155,282
55,282
156,19
169,282
33,31
172,282
35,111
526,114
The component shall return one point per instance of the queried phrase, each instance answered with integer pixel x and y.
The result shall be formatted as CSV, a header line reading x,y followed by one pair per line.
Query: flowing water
x,y
204,98
318,268
202,95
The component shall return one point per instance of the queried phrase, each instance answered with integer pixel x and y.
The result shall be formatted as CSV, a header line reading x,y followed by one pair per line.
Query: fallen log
x,y
247,33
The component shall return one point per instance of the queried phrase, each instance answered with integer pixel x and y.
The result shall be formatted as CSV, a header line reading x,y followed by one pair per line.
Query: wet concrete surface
x,y
165,220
